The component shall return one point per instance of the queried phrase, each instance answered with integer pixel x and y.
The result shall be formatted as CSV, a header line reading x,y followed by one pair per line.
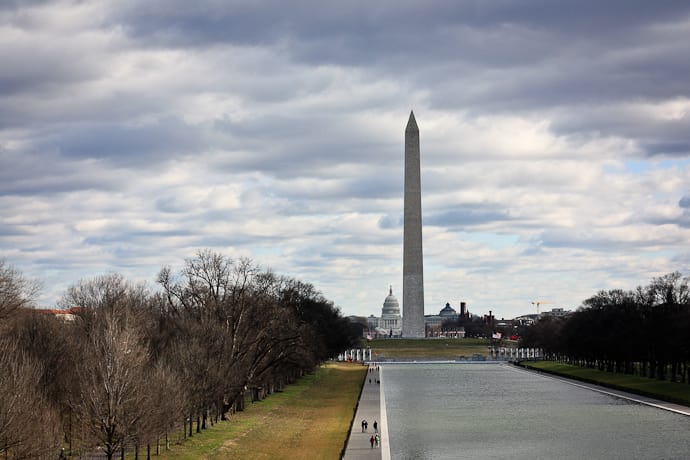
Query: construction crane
x,y
539,302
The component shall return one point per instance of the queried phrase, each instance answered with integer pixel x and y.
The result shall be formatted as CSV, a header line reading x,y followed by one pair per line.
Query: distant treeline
x,y
134,364
643,331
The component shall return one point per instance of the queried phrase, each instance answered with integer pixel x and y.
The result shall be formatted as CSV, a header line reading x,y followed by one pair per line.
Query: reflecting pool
x,y
477,411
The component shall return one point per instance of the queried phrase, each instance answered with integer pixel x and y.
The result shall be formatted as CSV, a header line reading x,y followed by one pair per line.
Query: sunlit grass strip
x,y
659,389
427,348
309,419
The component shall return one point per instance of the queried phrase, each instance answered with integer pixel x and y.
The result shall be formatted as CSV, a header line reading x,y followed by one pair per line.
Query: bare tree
x,y
112,399
15,291
27,421
50,342
107,292
144,361
241,327
165,406
199,298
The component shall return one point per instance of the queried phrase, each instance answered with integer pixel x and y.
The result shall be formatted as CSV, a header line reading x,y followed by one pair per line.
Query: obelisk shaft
x,y
413,266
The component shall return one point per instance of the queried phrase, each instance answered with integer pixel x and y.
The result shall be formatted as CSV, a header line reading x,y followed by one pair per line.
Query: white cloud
x,y
554,150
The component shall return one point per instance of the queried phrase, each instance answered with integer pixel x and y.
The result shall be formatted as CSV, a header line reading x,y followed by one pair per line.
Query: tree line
x,y
642,331
137,364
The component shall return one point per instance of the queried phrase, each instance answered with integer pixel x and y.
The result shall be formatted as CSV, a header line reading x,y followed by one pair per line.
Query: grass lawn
x,y
427,348
309,419
659,389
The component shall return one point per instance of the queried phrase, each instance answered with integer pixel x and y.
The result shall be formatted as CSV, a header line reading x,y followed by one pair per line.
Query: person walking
x,y
366,426
377,439
372,441
376,427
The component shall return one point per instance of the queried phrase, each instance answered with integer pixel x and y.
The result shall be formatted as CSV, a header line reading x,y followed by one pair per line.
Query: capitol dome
x,y
391,307
389,324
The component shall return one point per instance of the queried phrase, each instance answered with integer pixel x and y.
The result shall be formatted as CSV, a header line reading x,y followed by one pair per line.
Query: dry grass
x,y
309,419
427,348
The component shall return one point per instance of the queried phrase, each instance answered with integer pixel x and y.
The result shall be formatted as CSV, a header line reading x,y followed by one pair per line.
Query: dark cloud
x,y
352,255
684,202
463,217
131,236
9,5
369,186
128,144
390,221
667,148
504,56
170,204
560,238
46,73
13,230
653,135
597,240
303,145
27,173
363,27
151,129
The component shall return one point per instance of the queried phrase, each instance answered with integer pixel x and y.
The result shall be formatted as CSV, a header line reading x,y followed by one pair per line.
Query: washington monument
x,y
413,264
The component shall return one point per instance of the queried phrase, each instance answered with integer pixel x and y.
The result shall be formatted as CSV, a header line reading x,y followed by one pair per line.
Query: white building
x,y
389,324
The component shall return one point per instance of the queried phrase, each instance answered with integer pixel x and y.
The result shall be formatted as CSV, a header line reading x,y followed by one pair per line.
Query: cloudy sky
x,y
555,139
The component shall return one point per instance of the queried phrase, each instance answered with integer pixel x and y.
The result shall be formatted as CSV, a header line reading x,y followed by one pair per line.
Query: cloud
x,y
554,142
123,144
467,216
684,202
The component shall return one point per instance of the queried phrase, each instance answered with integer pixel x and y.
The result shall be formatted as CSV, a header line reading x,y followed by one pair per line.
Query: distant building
x,y
69,314
527,320
557,313
389,324
448,312
434,324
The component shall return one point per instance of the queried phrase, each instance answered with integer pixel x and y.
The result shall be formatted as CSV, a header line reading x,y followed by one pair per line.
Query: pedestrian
x,y
372,441
376,427
377,439
364,425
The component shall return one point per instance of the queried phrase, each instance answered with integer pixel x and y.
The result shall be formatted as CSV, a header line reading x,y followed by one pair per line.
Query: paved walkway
x,y
372,408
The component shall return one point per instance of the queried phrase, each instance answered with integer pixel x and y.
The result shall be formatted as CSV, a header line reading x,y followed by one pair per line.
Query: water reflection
x,y
476,411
